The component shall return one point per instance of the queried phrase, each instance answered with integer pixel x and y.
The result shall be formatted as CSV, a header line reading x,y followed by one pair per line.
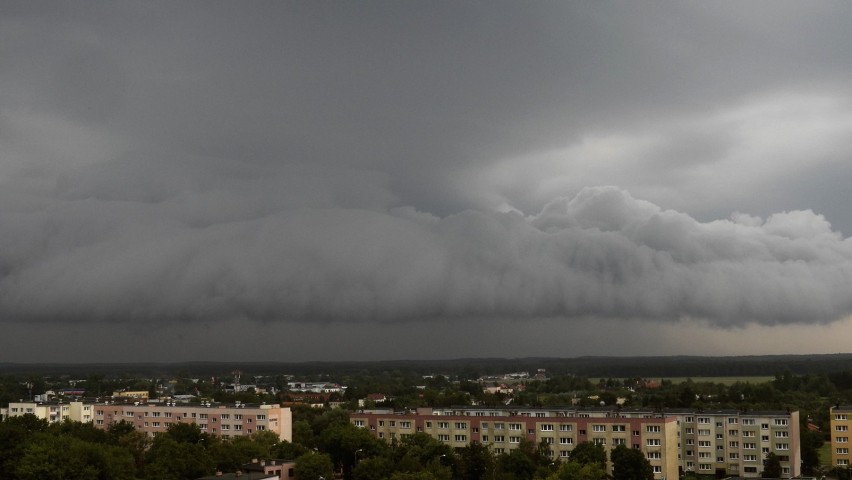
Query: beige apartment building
x,y
729,443
151,417
840,417
562,429
53,412
216,419
723,443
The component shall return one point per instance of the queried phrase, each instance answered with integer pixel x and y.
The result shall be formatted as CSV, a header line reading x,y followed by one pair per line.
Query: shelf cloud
x,y
601,253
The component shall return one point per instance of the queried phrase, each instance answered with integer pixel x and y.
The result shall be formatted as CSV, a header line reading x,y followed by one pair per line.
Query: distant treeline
x,y
471,368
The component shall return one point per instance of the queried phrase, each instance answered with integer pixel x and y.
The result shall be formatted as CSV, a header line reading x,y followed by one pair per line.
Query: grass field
x,y
722,380
825,455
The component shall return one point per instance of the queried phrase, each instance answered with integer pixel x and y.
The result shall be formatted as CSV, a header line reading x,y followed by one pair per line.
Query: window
x,y
653,442
564,453
841,439
689,431
461,425
619,428
461,438
237,416
749,458
599,441
238,427
514,439
704,443
654,455
764,426
689,453
780,422
704,420
734,456
381,423
657,469
704,432
636,433
404,424
749,446
484,426
498,426
734,444
842,461
428,424
690,441
653,429
733,433
566,428
842,451
225,427
359,423
840,417
748,421
733,420
782,434
619,441
688,419
749,434
704,455
546,427
841,428
782,446
498,451
499,438
548,440
598,428
515,426
443,424
444,438
566,441
764,438
705,466
393,423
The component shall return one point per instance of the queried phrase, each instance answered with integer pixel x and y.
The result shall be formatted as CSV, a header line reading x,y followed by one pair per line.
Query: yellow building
x,y
53,412
841,421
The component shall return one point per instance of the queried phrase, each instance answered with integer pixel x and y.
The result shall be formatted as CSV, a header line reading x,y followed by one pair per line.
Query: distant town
x,y
516,424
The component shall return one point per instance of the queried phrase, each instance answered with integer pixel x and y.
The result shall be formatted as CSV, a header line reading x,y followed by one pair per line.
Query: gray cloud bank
x,y
599,254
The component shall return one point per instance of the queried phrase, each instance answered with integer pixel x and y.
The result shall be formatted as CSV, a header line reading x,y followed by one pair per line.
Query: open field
x,y
722,380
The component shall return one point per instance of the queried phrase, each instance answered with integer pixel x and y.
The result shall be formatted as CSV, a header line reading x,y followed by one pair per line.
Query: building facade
x,y
723,443
840,417
216,419
53,412
730,443
503,430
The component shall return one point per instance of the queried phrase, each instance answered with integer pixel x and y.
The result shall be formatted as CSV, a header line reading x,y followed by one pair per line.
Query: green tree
x,y
587,453
630,464
314,466
771,466
475,462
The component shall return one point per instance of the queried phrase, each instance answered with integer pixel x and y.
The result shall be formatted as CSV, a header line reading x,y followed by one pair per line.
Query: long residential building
x,y
722,443
503,430
223,420
53,412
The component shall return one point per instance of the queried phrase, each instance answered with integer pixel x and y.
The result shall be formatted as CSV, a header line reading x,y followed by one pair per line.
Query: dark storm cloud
x,y
301,161
601,254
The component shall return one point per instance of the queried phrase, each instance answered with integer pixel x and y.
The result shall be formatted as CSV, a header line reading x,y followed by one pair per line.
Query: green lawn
x,y
825,455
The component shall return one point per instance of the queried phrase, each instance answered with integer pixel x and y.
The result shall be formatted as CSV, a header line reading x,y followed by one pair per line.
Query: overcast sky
x,y
423,179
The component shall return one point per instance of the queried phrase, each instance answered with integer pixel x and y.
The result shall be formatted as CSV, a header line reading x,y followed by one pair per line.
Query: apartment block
x,y
734,443
503,430
216,419
841,421
53,412
724,443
